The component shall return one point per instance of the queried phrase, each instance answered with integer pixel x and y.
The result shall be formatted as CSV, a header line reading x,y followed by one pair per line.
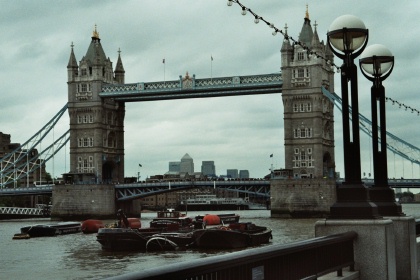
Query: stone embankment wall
x,y
78,202
302,198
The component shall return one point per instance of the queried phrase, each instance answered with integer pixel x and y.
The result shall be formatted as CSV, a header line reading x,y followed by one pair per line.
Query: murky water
x,y
79,256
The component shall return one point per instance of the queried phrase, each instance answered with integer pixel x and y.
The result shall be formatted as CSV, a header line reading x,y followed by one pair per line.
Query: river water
x,y
79,256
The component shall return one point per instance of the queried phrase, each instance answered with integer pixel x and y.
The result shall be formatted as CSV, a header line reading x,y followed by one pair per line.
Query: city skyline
x,y
207,167
239,132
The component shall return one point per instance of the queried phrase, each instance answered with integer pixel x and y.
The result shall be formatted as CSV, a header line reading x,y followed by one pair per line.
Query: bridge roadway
x,y
138,190
190,87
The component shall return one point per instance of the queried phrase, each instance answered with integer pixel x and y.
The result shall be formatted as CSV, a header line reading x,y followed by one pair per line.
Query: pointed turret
x,y
316,45
95,64
119,70
286,50
95,53
72,67
306,33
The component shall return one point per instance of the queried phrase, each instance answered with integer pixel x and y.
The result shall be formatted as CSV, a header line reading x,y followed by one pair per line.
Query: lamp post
x,y
347,38
376,64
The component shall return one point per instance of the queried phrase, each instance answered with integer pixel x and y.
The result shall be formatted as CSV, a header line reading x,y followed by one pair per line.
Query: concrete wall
x,y
302,198
78,202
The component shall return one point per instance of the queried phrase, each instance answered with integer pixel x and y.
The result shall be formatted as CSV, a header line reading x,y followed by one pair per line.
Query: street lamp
x,y
376,64
347,38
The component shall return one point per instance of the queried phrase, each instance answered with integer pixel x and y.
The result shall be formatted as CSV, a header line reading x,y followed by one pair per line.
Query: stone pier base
x,y
405,247
374,247
303,198
80,202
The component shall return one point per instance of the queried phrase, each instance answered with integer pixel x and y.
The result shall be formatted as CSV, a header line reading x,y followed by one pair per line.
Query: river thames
x,y
79,256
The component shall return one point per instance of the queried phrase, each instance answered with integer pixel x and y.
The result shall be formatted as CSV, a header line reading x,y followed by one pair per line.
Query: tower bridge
x,y
97,94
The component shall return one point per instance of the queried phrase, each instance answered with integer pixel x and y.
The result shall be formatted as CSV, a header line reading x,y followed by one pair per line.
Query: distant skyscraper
x,y
208,168
187,164
174,166
232,173
243,174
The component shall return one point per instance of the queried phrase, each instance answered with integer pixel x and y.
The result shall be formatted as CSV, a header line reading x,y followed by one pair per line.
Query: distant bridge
x,y
132,191
259,188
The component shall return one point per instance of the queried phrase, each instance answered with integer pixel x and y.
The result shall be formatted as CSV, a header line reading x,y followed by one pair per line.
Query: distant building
x,y
174,166
232,173
243,174
208,168
187,164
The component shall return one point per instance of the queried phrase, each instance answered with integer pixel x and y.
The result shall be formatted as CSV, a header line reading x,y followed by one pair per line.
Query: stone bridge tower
x,y
308,114
96,124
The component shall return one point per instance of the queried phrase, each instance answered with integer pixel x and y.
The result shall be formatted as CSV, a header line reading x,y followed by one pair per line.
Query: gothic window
x,y
80,142
84,72
296,133
91,118
301,73
303,133
301,56
85,119
302,155
295,107
79,119
296,151
79,159
90,142
302,107
309,151
307,72
84,87
85,142
309,107
91,158
111,140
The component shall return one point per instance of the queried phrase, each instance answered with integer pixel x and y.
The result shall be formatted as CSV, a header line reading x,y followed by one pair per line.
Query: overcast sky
x,y
235,132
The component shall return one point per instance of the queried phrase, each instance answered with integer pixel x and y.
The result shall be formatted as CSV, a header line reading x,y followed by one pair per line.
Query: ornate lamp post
x,y
376,64
347,38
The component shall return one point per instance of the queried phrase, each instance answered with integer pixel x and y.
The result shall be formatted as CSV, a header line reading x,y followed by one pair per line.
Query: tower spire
x,y
307,12
95,34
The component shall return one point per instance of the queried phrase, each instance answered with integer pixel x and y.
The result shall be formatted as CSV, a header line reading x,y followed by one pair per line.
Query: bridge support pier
x,y
80,202
302,198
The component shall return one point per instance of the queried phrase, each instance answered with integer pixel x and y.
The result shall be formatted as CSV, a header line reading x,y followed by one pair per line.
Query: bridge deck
x,y
190,87
138,190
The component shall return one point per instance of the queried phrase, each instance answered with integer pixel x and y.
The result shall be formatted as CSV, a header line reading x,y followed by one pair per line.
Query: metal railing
x,y
307,259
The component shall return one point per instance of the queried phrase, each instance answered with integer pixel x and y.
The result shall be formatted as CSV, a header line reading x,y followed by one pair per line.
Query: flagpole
x,y
164,69
272,171
211,68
